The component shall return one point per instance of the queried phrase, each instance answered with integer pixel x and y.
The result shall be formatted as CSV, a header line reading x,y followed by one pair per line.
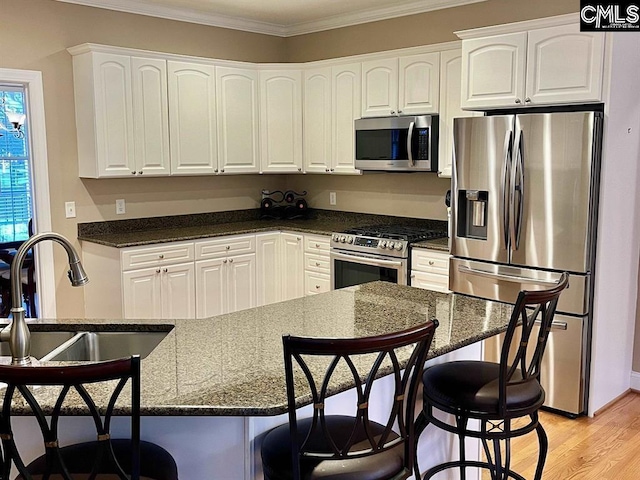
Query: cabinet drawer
x,y
430,281
162,254
221,247
317,263
430,261
316,244
316,283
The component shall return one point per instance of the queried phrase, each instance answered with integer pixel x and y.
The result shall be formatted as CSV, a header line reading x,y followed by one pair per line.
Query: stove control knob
x,y
383,244
390,245
335,237
398,246
343,239
349,239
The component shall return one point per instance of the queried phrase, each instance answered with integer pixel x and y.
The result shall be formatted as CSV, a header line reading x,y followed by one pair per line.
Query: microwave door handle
x,y
410,144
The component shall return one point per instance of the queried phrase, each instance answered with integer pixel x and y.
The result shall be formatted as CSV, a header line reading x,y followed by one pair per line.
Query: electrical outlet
x,y
332,198
70,209
120,208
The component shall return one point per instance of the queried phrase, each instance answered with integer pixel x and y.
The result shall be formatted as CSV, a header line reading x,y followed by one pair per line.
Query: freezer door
x,y
503,283
482,148
563,371
553,193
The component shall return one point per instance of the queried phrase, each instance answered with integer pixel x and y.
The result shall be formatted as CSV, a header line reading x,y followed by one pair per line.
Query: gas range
x,y
387,240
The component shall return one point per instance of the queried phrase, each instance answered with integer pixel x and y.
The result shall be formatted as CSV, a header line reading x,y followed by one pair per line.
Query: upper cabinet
x,y
238,120
331,104
400,86
281,121
192,107
553,65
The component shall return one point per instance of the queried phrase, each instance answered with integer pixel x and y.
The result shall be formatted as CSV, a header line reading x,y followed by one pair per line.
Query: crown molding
x,y
567,19
145,7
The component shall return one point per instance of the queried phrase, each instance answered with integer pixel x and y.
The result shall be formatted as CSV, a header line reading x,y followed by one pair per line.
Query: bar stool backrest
x,y
23,392
532,309
381,359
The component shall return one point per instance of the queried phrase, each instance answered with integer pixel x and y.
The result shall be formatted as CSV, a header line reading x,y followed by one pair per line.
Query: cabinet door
x,y
564,65
450,74
178,291
268,269
315,283
292,266
346,103
238,121
380,88
192,118
150,116
141,293
317,120
419,84
493,71
211,294
113,114
281,121
241,282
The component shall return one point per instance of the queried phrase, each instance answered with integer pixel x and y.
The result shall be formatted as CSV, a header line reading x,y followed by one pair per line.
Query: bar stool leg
x,y
544,446
420,424
462,427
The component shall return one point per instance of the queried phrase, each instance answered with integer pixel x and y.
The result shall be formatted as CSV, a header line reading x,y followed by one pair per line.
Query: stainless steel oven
x,y
373,253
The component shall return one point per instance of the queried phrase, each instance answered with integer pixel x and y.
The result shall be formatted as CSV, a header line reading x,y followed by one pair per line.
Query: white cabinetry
x,y
292,266
316,264
331,104
268,268
238,120
450,72
158,281
430,270
121,115
400,86
558,64
192,122
225,275
281,121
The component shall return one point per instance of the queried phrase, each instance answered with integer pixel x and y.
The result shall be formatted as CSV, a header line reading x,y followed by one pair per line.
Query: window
x,y
15,174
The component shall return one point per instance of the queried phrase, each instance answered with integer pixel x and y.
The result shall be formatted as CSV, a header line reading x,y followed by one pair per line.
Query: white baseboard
x,y
635,381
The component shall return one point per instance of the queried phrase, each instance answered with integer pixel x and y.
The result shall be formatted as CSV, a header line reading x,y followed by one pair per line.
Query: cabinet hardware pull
x,y
231,260
317,286
327,169
518,100
317,264
140,172
216,170
161,256
299,169
527,100
317,245
298,238
133,173
158,270
228,247
393,112
224,261
399,111
165,270
431,262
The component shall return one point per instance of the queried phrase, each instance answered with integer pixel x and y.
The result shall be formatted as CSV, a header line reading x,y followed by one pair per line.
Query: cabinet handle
x,y
224,261
222,170
299,169
317,264
412,275
393,112
161,256
527,100
228,247
317,245
231,260
399,111
298,239
327,170
332,169
158,270
317,286
431,262
518,100
165,270
216,170
133,173
140,172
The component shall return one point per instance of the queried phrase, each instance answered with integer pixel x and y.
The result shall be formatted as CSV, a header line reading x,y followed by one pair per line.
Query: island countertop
x,y
232,365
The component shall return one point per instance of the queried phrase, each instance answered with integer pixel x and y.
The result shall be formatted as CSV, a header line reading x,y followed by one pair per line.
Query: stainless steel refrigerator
x,y
524,202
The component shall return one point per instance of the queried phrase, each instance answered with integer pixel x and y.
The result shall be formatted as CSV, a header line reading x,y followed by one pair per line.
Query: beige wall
x,y
36,34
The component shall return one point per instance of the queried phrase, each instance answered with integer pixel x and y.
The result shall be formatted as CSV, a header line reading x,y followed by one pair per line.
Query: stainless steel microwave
x,y
397,144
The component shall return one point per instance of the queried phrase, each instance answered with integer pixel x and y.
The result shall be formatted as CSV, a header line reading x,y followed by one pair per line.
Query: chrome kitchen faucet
x,y
17,333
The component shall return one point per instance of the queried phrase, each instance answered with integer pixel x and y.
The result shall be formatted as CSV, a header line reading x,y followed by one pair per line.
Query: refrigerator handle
x,y
505,277
505,190
518,191
410,144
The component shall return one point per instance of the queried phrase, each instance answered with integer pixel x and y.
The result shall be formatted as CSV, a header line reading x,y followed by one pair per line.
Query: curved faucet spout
x,y
19,336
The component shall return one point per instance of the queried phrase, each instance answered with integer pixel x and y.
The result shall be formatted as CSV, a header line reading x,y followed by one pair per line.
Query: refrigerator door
x,y
552,191
563,373
482,155
503,283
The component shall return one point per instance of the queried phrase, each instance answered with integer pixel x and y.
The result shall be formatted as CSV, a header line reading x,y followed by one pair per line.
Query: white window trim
x,y
45,280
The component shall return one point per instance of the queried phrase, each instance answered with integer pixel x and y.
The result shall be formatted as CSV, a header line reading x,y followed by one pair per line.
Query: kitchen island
x,y
212,386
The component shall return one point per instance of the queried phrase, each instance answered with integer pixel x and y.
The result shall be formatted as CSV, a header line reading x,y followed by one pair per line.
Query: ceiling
x,y
275,17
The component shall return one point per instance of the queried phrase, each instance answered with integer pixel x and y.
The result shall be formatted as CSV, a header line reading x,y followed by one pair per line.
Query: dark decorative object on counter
x,y
279,205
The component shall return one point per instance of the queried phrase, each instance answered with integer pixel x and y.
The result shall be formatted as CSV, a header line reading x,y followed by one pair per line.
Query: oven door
x,y
349,269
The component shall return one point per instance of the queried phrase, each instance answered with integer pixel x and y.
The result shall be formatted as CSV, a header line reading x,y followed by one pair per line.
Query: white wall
x,y
618,248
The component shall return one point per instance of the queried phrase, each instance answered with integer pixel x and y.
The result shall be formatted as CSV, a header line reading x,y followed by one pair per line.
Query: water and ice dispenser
x,y
472,213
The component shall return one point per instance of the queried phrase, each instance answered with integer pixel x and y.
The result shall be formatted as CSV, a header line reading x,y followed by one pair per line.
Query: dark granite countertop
x,y
232,364
146,231
441,244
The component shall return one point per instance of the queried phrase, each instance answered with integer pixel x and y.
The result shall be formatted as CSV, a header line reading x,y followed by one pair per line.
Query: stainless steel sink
x,y
41,343
99,346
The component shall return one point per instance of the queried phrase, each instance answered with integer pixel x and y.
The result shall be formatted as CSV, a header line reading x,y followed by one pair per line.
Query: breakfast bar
x,y
212,386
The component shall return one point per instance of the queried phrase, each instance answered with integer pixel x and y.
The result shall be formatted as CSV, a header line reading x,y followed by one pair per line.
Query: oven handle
x,y
367,260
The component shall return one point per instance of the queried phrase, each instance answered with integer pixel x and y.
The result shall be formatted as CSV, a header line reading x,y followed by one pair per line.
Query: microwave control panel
x,y
423,144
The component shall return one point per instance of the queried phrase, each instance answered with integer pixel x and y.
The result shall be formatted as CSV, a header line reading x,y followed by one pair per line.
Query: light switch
x,y
70,209
120,208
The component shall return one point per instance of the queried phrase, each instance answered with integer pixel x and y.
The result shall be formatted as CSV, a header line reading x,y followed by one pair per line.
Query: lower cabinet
x,y
292,266
430,270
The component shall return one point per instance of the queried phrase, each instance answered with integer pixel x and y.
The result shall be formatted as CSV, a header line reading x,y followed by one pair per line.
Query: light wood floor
x,y
606,447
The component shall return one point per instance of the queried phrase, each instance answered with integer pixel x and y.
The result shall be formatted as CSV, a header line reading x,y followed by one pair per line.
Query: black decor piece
x,y
279,205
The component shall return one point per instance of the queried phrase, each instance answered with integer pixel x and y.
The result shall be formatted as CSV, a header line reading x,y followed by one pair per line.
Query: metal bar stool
x,y
495,394
342,447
